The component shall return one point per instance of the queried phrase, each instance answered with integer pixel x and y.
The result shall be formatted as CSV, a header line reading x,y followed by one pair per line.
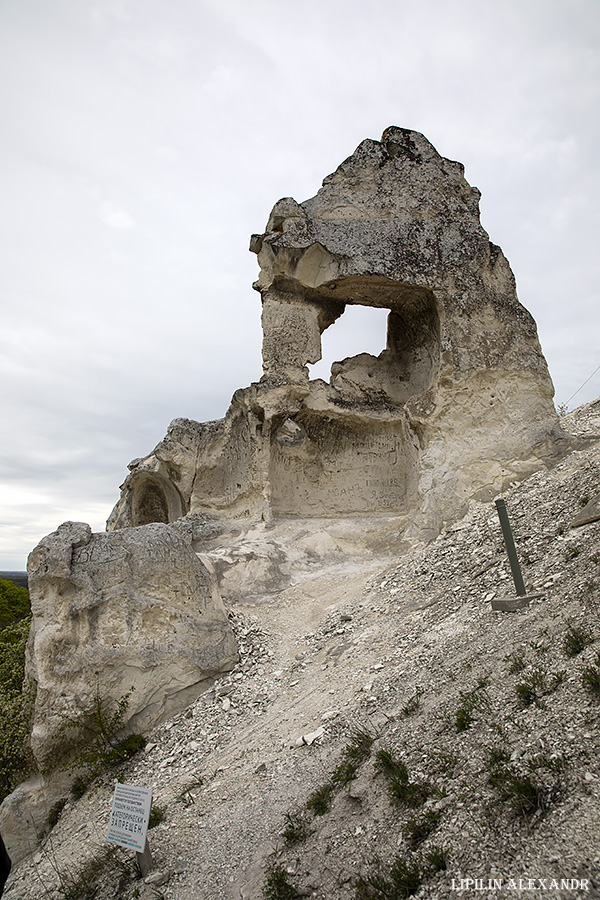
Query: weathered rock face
x,y
132,608
459,400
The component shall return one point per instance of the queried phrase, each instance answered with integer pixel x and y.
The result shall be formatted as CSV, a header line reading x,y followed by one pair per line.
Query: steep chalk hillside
x,y
385,732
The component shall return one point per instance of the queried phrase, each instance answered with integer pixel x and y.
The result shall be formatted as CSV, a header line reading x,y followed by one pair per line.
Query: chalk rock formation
x,y
111,611
459,399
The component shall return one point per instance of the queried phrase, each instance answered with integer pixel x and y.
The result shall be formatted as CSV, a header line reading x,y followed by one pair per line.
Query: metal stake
x,y
510,548
145,861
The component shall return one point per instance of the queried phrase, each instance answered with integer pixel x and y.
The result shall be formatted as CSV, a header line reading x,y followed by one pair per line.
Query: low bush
x,y
576,640
538,684
401,789
93,739
419,827
403,879
590,677
277,885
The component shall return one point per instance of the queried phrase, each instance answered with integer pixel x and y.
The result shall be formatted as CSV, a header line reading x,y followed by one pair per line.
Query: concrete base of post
x,y
513,604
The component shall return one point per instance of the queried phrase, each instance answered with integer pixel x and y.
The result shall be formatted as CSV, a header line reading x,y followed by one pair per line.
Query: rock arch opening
x,y
408,364
360,329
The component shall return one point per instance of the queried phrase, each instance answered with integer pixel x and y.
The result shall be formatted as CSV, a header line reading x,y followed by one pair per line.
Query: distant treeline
x,y
15,702
19,578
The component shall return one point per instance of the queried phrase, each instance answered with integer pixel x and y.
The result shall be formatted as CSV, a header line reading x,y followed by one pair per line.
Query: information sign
x,y
129,816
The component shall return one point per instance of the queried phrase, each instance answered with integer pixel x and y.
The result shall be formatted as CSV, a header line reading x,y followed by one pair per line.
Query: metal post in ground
x,y
512,604
510,548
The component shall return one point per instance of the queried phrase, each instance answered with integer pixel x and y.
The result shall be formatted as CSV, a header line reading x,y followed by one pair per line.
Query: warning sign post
x,y
129,818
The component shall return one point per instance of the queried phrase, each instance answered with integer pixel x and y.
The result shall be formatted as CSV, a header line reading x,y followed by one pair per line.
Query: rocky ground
x,y
490,766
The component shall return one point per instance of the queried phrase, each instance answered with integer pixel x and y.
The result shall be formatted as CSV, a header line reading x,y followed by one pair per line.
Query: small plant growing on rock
x,y
401,789
320,799
530,788
576,640
519,790
403,879
295,830
590,677
95,745
157,815
469,702
277,885
537,684
437,857
412,705
516,663
354,754
417,828
55,811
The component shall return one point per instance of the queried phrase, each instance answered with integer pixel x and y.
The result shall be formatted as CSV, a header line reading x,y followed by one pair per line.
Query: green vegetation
x,y
401,789
403,879
419,827
14,603
295,830
537,684
437,857
93,738
413,704
108,874
524,788
590,677
16,760
277,886
469,702
517,663
320,799
576,640
55,811
354,754
157,815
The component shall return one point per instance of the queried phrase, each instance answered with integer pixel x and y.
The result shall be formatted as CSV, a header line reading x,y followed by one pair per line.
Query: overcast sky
x,y
143,141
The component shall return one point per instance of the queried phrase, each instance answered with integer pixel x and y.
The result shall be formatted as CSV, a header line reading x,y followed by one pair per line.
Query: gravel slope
x,y
395,653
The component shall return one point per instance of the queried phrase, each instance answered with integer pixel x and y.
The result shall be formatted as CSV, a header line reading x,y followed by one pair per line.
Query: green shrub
x,y
520,790
55,811
320,799
517,663
537,684
469,702
417,828
295,830
80,786
590,677
92,738
157,815
277,886
413,704
437,857
576,640
353,755
401,789
402,880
